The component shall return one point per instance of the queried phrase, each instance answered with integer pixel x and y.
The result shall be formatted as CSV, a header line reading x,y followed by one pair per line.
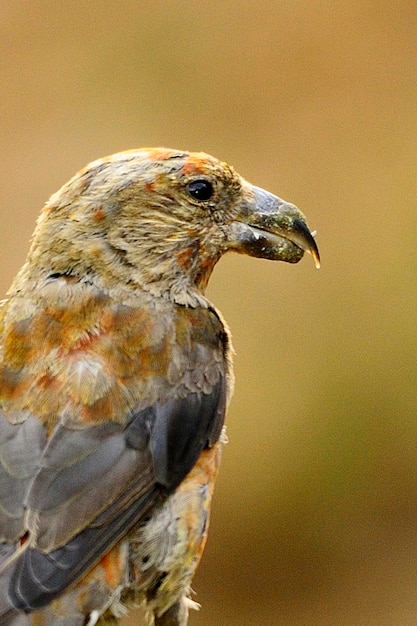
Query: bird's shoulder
x,y
93,384
69,347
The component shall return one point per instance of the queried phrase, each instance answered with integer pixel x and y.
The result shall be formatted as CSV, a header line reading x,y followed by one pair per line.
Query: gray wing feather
x,y
141,463
82,472
21,446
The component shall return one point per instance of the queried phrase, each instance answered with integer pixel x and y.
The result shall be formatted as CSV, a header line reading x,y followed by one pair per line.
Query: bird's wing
x,y
21,446
93,482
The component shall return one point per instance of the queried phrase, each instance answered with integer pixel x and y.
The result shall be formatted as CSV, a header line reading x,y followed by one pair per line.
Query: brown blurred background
x,y
315,514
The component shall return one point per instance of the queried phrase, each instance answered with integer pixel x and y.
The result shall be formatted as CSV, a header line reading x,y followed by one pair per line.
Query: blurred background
x,y
315,514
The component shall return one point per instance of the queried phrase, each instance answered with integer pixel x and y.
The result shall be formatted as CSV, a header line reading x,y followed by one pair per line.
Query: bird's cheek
x,y
186,256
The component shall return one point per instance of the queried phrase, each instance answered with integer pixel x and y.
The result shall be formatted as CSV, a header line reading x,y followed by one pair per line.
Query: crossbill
x,y
115,376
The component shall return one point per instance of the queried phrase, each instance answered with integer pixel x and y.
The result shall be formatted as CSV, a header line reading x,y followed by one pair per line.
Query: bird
x,y
115,377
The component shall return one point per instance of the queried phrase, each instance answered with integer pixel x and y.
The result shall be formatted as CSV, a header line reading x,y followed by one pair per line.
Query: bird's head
x,y
159,220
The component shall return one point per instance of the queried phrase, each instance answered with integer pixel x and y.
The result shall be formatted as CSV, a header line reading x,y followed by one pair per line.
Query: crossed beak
x,y
271,228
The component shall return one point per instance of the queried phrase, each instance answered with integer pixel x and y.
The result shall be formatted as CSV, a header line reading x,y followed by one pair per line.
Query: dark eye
x,y
200,189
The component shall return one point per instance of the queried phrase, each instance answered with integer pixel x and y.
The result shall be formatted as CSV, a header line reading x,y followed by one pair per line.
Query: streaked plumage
x,y
115,374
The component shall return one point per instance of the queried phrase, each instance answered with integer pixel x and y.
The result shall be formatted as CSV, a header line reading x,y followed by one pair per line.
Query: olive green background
x,y
315,514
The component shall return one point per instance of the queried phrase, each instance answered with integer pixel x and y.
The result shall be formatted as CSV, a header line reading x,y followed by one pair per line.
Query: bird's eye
x,y
200,189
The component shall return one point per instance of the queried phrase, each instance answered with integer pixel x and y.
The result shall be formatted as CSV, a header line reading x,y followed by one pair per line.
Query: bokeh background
x,y
315,515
